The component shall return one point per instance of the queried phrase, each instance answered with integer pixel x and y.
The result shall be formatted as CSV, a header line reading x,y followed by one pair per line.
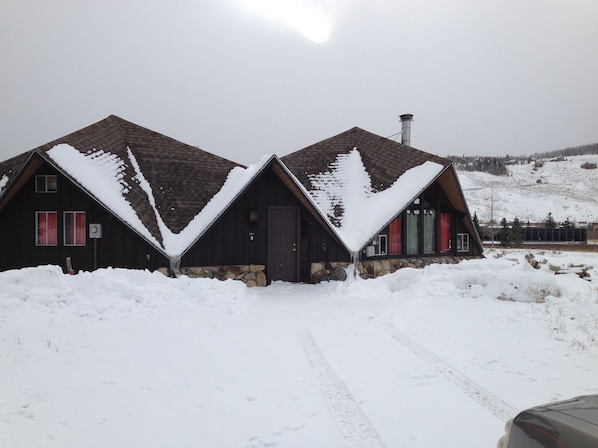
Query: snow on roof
x,y
346,186
176,243
102,175
364,212
3,182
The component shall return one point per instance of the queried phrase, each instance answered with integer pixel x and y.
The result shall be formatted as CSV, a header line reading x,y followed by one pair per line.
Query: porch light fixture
x,y
252,215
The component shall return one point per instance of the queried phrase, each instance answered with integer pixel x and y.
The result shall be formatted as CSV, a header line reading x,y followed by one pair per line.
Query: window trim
x,y
46,183
382,238
373,249
37,228
462,242
76,241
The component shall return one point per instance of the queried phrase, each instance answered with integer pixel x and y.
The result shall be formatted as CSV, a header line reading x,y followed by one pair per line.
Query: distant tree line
x,y
492,165
498,165
569,152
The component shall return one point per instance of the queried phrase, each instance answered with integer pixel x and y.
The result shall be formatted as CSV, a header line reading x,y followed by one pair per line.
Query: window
x,y
412,231
381,247
462,242
46,184
46,229
74,228
429,230
394,236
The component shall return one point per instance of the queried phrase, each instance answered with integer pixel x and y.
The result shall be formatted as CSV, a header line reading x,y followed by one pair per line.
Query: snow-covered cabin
x,y
117,194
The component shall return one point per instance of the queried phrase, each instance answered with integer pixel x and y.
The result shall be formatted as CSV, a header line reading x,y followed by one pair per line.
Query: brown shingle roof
x,y
183,178
12,166
384,159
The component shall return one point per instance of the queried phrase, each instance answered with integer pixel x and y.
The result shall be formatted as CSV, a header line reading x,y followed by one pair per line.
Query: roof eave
x,y
14,184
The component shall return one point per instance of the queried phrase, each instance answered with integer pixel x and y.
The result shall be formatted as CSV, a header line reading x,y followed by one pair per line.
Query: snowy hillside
x,y
438,357
562,188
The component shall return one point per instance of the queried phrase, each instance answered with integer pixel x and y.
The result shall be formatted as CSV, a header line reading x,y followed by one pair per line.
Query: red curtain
x,y
395,236
445,232
80,229
47,233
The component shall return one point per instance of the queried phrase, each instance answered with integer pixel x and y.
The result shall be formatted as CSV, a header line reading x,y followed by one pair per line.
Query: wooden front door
x,y
283,242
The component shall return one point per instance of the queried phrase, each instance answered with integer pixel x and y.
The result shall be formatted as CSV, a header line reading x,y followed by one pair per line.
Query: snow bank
x,y
133,358
116,293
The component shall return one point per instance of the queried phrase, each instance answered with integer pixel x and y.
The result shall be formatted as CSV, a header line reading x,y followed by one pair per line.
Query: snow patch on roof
x,y
3,182
101,174
237,179
347,186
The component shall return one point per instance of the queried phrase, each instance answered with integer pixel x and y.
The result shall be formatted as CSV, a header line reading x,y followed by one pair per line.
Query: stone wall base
x,y
376,268
255,275
321,272
250,274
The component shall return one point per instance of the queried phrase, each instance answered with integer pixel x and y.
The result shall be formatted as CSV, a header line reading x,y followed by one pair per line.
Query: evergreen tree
x,y
517,234
504,235
549,222
476,223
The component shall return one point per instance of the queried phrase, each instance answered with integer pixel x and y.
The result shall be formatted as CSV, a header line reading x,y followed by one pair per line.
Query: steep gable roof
x,y
385,160
183,177
362,181
165,182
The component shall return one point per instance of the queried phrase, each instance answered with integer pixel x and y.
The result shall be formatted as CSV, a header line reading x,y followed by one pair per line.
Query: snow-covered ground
x,y
562,188
438,357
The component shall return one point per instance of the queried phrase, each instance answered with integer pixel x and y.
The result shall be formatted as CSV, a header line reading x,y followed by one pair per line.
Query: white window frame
x,y
462,242
378,246
382,246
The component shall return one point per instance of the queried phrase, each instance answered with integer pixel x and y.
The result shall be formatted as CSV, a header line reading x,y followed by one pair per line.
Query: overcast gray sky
x,y
243,78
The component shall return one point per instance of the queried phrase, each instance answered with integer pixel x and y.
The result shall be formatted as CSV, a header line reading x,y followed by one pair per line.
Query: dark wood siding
x,y
437,198
233,240
118,247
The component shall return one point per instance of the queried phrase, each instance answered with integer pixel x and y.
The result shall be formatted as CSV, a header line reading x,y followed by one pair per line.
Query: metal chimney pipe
x,y
406,120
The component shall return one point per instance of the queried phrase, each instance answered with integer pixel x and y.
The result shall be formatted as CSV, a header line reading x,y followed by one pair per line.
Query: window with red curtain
x,y
395,236
46,233
74,229
445,232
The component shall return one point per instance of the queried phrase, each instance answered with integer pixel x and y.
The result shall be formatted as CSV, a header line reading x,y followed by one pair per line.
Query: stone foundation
x,y
375,268
250,274
255,275
321,272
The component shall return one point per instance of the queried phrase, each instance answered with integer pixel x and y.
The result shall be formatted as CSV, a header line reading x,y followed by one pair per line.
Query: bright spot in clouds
x,y
307,19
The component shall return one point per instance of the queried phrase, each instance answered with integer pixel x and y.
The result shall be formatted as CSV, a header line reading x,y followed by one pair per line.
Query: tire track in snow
x,y
353,424
491,402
